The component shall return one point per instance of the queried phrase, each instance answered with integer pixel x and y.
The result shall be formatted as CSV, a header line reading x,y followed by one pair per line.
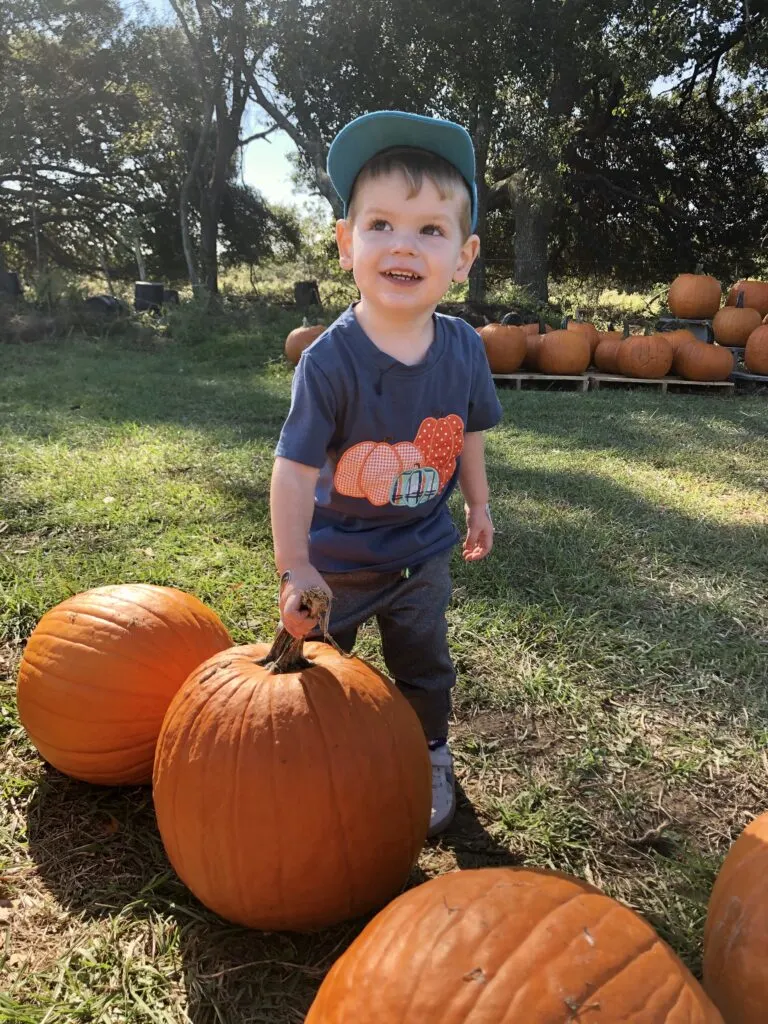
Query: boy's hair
x,y
415,164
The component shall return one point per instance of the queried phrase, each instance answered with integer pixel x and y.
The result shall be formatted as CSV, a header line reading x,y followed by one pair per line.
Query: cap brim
x,y
368,135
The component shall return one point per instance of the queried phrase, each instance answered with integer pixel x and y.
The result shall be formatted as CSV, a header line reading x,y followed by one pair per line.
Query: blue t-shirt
x,y
387,439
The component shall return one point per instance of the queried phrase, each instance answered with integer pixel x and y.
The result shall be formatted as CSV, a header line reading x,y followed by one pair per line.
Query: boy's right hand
x,y
296,619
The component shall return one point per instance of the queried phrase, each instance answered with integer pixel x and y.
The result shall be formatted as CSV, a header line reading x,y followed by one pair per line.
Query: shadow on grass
x,y
687,591
470,842
660,431
98,851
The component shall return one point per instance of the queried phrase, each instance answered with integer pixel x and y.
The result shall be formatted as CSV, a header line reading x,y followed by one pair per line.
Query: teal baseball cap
x,y
368,135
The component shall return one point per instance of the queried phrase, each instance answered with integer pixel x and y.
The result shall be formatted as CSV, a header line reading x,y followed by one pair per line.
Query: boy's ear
x,y
344,243
467,256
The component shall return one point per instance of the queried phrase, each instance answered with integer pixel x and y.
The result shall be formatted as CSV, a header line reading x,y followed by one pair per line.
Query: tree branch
x,y
258,135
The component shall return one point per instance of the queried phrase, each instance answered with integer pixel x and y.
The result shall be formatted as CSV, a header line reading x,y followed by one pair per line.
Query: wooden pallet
x,y
592,381
518,379
663,383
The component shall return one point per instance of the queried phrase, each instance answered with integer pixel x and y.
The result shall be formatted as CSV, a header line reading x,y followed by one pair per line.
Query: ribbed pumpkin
x,y
587,331
755,295
532,346
756,350
610,336
645,356
694,296
563,352
509,946
679,337
736,932
292,790
734,324
299,339
697,360
607,354
504,346
100,670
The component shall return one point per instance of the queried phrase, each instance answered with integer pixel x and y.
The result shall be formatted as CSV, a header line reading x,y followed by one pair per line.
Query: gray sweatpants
x,y
410,611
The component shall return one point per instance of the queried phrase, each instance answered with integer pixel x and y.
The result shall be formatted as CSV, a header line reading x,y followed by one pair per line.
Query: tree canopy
x,y
614,139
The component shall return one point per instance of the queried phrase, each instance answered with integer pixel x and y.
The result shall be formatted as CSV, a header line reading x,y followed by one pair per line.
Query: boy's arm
x,y
474,486
292,502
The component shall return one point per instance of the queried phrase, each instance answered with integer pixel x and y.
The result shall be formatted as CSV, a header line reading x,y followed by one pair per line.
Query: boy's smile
x,y
404,251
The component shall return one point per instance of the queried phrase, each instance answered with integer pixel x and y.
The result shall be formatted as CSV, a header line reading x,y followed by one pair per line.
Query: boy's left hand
x,y
479,539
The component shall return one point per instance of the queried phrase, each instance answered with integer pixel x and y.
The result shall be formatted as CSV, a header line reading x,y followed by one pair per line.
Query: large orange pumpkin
x,y
756,350
679,337
694,296
645,356
511,945
734,324
504,347
292,790
100,670
563,352
587,331
607,354
299,339
755,295
698,360
736,932
532,346
610,336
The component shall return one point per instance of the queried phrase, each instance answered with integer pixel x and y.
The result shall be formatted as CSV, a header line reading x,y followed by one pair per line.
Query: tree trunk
x,y
481,137
141,266
533,219
186,188
209,236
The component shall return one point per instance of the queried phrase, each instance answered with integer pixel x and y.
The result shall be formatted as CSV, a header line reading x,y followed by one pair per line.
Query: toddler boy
x,y
387,415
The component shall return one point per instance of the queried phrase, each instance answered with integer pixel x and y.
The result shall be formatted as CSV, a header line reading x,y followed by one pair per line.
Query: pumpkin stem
x,y
287,652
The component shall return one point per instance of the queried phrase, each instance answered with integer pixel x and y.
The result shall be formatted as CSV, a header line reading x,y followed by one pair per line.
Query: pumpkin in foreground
x,y
292,791
509,946
100,670
736,932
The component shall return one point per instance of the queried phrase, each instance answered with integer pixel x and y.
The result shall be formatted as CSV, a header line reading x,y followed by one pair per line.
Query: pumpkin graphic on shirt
x,y
405,474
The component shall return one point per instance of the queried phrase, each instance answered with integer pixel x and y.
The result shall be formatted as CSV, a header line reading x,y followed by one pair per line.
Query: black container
x,y
148,296
701,329
170,297
306,293
10,283
104,304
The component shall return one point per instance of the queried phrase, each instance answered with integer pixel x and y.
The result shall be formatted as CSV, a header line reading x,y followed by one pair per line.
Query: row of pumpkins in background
x,y
573,350
652,356
296,794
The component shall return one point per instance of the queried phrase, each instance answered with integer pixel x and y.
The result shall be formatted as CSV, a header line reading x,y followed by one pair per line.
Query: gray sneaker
x,y
443,789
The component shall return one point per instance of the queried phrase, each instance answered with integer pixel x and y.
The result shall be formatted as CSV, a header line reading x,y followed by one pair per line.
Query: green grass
x,y
611,714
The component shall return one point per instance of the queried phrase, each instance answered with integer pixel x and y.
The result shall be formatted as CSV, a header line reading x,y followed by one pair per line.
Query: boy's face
x,y
404,253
